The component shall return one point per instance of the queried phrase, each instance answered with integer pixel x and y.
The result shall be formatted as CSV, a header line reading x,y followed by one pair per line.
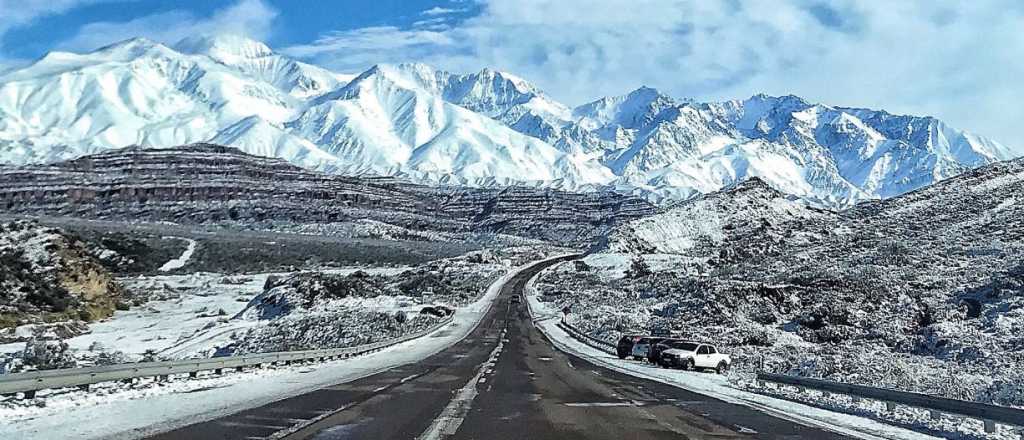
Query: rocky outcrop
x,y
205,183
48,276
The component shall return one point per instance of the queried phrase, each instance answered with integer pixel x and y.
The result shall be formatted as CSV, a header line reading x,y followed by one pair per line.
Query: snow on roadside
x,y
162,407
184,317
713,385
183,259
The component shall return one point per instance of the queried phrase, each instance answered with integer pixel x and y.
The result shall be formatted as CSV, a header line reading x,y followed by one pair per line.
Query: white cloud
x,y
15,13
366,46
251,18
21,12
959,61
437,10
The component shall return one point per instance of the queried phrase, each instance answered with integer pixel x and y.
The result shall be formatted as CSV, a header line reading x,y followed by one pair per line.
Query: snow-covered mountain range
x,y
485,128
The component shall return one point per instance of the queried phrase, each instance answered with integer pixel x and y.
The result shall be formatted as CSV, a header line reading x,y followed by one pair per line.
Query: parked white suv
x,y
690,355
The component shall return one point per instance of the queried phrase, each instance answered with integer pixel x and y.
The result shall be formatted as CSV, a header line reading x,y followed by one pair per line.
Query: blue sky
x,y
959,61
295,21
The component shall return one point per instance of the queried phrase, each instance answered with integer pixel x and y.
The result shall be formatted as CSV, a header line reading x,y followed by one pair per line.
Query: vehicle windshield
x,y
688,346
429,219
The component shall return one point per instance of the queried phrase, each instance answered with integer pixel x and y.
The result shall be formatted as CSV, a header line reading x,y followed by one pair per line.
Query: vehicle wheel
x,y
722,367
622,356
688,364
637,358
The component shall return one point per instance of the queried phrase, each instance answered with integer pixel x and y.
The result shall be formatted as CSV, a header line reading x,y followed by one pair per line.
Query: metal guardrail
x,y
599,344
989,414
31,382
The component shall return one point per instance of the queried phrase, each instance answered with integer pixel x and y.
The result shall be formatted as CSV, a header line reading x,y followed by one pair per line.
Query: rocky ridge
x,y
205,183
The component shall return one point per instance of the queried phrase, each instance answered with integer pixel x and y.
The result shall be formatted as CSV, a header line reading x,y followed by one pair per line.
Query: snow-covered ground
x,y
188,316
615,265
183,259
159,407
857,419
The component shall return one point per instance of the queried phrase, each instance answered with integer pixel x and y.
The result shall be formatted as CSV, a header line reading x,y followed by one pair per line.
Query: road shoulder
x,y
546,320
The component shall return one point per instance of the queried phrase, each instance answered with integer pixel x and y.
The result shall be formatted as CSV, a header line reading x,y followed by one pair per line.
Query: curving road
x,y
503,381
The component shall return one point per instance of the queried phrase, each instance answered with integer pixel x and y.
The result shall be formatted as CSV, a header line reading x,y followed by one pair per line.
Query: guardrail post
x,y
935,415
990,426
890,407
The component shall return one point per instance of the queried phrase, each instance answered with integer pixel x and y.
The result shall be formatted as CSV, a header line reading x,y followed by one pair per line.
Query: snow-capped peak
x,y
628,111
128,50
488,127
520,84
132,45
223,46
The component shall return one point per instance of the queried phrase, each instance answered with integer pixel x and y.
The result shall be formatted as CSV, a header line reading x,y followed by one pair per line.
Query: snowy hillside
x,y
487,128
702,225
923,292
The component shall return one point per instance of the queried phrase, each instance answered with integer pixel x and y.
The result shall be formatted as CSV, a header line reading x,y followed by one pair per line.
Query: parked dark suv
x,y
625,346
654,354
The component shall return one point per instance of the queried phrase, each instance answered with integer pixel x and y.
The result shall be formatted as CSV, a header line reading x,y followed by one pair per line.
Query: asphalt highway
x,y
503,381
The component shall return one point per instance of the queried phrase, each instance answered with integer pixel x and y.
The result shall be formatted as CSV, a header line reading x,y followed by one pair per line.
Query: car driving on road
x,y
691,355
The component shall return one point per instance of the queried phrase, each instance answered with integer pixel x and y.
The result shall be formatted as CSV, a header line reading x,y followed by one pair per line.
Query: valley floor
x,y
189,315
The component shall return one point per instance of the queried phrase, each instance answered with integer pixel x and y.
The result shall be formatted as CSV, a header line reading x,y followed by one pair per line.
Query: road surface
x,y
503,381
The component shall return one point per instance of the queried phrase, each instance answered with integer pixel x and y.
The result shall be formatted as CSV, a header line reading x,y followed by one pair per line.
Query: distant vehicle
x,y
654,353
642,346
691,355
439,311
625,346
